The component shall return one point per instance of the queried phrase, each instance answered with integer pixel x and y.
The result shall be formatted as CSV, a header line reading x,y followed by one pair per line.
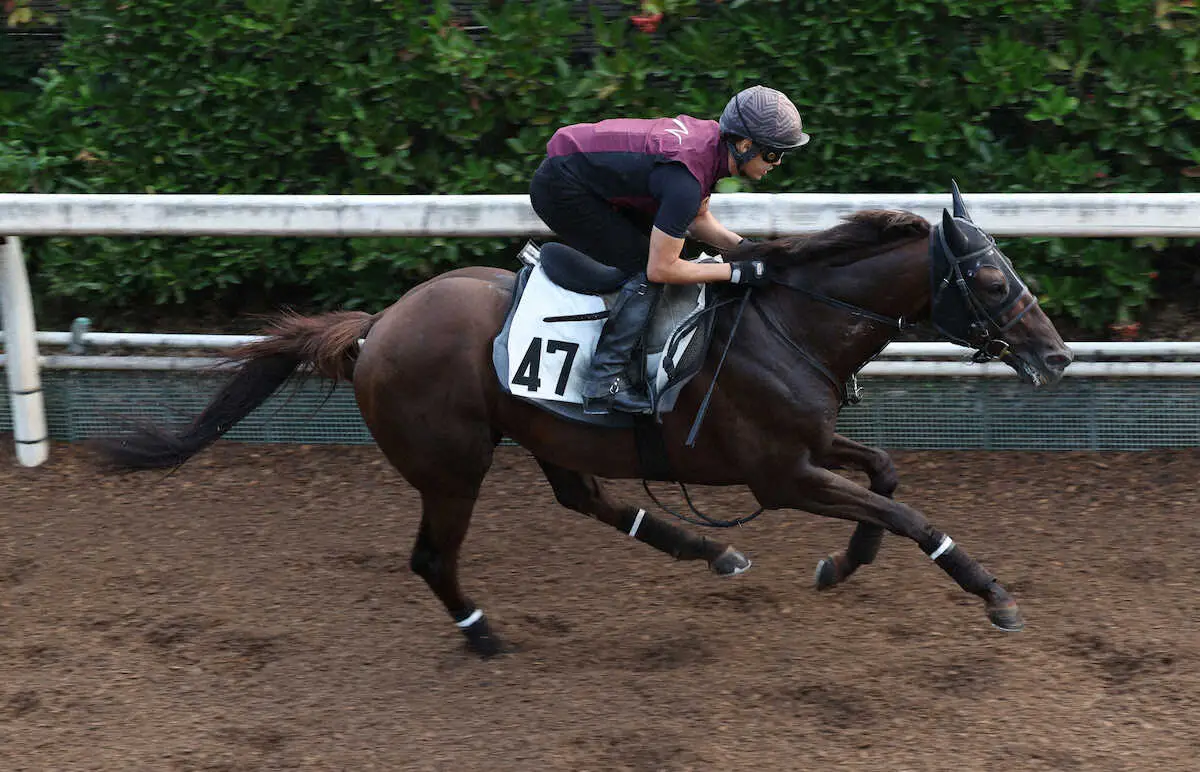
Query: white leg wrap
x,y
946,545
475,616
637,523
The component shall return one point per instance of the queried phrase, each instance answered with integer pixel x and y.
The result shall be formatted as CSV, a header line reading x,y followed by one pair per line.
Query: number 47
x,y
531,364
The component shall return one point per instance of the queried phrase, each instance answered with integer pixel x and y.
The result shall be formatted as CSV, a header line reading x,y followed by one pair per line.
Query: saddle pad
x,y
545,348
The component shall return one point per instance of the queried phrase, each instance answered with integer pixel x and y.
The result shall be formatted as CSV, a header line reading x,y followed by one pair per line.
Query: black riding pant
x,y
583,220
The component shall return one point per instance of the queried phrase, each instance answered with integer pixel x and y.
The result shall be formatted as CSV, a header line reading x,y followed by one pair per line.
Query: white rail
x,y
751,214
1002,214
143,340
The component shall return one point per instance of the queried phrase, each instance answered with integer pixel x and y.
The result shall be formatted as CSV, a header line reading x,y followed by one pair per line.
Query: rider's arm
x,y
666,267
709,229
678,195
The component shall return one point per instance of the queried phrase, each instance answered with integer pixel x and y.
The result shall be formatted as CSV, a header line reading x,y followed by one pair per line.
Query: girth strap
x,y
651,449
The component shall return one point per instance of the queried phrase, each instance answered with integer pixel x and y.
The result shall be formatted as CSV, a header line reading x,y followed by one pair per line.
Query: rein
x,y
897,322
748,298
737,320
703,519
978,333
815,363
839,386
978,336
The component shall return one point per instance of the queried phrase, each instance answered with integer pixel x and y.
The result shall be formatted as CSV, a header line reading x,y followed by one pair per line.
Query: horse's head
x,y
980,302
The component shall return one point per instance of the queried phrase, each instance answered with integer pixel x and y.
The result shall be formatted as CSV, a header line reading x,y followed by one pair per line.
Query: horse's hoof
x,y
730,563
482,641
1006,617
827,573
487,645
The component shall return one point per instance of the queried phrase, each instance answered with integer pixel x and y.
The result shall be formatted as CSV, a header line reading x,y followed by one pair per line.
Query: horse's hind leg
x,y
585,494
864,543
444,521
447,468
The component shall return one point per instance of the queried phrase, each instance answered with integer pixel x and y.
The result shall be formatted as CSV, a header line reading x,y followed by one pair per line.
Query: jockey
x,y
626,192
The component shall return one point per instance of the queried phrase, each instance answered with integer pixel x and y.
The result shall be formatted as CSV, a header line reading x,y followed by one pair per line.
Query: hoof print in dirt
x,y
23,702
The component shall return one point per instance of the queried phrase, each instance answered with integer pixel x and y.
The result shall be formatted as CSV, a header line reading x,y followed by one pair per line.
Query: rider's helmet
x,y
765,117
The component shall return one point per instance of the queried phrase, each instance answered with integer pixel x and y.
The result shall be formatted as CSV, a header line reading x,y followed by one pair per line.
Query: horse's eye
x,y
997,289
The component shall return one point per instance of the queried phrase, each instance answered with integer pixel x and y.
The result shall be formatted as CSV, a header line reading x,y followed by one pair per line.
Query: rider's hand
x,y
751,273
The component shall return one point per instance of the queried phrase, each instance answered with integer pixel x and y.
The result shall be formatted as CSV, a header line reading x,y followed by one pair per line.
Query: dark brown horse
x,y
426,386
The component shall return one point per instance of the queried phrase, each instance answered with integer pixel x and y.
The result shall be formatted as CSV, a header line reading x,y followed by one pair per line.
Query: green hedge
x,y
390,96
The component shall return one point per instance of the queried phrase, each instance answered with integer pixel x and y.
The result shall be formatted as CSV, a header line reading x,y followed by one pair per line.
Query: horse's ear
x,y
955,238
960,208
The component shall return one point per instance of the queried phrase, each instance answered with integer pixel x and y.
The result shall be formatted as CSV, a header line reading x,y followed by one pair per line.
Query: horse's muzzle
x,y
1057,361
1040,369
1051,365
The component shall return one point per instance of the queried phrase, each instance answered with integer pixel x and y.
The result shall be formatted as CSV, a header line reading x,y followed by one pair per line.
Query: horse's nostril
x,y
1059,361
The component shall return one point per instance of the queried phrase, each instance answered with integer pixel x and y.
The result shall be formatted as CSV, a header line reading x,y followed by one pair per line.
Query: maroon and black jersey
x,y
664,166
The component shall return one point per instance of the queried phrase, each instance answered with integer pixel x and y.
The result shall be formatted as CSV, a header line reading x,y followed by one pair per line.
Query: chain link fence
x,y
896,413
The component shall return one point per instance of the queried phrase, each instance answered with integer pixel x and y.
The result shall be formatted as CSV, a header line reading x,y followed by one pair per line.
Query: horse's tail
x,y
328,343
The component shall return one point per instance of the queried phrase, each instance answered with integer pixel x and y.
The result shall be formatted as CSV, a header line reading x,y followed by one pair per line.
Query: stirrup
x,y
602,405
630,399
633,402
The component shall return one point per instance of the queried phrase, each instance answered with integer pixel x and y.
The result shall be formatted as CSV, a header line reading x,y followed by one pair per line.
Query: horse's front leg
x,y
845,453
820,491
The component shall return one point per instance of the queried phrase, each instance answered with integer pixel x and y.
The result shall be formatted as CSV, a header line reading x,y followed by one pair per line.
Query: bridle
x,y
961,317
964,318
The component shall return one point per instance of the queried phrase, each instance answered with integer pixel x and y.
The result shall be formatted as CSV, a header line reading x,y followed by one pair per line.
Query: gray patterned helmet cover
x,y
766,117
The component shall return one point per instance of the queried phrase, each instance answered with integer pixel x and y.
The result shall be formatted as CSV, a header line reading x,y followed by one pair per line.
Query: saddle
x,y
560,302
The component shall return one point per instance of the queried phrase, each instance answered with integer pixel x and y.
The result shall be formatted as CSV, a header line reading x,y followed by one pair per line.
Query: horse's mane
x,y
861,235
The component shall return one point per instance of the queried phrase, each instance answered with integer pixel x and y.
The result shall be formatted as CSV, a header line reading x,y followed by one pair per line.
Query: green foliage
x,y
409,96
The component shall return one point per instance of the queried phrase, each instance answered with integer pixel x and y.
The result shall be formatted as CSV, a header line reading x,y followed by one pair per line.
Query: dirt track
x,y
255,612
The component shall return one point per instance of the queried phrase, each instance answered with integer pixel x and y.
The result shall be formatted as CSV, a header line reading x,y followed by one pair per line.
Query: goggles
x,y
771,155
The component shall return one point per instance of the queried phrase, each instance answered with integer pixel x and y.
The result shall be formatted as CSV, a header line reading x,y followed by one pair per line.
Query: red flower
x,y
648,23
1127,331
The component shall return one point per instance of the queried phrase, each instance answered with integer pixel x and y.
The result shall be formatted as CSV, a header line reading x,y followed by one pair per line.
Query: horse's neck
x,y
892,284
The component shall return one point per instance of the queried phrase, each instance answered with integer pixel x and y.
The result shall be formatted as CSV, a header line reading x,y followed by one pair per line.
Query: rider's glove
x,y
752,273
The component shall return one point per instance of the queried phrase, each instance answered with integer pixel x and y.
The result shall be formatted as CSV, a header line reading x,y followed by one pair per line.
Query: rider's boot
x,y
608,386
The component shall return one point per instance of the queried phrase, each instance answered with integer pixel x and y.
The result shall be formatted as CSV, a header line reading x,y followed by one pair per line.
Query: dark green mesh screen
x,y
896,413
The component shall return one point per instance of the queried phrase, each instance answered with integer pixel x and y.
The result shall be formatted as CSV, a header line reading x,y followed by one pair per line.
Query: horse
x,y
424,382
